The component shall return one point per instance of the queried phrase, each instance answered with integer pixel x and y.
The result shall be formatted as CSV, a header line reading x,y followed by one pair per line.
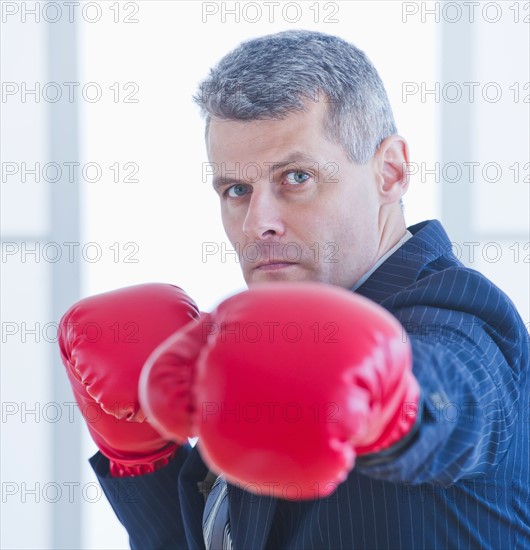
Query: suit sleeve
x,y
470,366
147,505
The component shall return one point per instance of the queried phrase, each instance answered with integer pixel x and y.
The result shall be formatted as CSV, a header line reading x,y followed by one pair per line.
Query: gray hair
x,y
271,76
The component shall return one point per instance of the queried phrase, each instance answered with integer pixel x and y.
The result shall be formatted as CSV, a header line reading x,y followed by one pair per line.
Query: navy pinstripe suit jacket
x,y
463,482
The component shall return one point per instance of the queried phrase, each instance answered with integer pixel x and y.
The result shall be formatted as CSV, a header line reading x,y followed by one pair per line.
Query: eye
x,y
236,191
296,177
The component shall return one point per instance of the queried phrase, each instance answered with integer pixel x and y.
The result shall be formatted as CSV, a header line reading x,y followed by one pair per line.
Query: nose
x,y
263,219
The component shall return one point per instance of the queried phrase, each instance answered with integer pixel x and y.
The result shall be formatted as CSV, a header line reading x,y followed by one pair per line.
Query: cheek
x,y
346,232
231,224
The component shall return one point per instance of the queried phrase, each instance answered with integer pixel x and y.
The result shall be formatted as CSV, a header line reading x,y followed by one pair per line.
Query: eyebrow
x,y
292,158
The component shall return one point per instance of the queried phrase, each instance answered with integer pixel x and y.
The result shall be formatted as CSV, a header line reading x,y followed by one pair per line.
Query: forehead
x,y
265,140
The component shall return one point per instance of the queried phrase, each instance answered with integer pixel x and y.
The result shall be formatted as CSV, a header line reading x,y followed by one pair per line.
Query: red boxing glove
x,y
285,384
104,342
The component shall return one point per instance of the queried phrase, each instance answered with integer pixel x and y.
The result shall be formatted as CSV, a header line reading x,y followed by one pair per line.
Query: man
x,y
307,159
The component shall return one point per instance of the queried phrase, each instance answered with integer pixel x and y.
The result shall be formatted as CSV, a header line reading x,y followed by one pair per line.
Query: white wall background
x,y
155,228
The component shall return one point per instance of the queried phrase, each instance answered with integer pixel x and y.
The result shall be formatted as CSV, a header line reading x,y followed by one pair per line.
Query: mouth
x,y
274,266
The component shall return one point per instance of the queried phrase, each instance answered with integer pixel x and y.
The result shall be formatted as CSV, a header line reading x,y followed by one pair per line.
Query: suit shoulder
x,y
460,293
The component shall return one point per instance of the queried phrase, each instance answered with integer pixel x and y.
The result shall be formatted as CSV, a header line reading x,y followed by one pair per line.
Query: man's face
x,y
293,205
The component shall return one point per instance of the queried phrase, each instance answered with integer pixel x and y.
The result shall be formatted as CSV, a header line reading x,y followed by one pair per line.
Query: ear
x,y
391,161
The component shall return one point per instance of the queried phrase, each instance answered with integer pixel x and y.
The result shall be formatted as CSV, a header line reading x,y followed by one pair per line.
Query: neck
x,y
392,227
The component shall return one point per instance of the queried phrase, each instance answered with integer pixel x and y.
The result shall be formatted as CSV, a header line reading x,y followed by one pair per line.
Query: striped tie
x,y
215,520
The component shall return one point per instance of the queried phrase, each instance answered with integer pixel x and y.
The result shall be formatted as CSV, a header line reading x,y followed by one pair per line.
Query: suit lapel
x,y
254,514
254,518
191,500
